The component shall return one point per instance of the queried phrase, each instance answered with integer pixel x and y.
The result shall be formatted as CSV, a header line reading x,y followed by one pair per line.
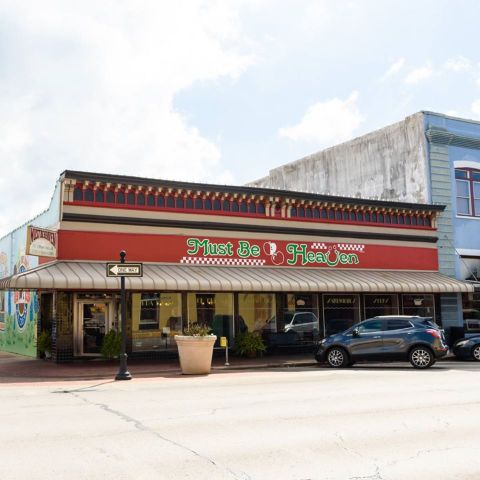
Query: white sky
x,y
215,91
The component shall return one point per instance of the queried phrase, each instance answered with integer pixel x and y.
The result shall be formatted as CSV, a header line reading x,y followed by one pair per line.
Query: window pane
x,y
141,199
151,200
170,202
198,203
208,204
89,195
252,208
256,313
156,318
234,207
463,189
120,197
293,212
340,312
110,197
463,206
78,194
476,190
475,176
378,304
398,324
217,204
131,198
189,202
226,205
99,196
370,326
477,208
460,174
261,208
161,201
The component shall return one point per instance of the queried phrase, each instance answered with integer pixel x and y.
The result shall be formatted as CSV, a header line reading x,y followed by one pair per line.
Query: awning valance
x,y
70,275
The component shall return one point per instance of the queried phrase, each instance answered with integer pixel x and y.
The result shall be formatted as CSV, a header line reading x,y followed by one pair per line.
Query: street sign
x,y
124,269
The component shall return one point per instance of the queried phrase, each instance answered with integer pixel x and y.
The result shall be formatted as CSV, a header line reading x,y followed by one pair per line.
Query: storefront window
x,y
256,313
471,312
156,318
421,305
214,310
300,317
340,312
380,305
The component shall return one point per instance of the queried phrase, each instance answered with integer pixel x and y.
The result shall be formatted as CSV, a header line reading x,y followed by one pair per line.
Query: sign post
x,y
123,270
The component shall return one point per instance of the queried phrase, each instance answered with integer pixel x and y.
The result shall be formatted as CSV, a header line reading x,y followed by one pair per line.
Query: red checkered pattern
x,y
223,261
319,246
350,247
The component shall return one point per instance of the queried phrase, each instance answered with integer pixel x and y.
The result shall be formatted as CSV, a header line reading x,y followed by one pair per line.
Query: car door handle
x,y
378,336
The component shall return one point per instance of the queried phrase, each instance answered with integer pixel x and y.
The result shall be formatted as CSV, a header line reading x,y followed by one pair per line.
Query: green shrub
x,y
249,344
111,344
197,330
44,342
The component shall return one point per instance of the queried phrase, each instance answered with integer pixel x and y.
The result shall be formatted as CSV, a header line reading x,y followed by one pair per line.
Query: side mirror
x,y
355,332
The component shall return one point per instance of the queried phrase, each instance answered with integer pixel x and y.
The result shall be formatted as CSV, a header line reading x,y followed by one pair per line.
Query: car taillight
x,y
433,333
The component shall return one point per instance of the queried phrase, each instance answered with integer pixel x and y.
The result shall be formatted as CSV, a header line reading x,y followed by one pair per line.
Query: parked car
x,y
303,323
468,348
394,337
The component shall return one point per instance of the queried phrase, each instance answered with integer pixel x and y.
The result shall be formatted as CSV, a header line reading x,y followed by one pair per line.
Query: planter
x,y
195,353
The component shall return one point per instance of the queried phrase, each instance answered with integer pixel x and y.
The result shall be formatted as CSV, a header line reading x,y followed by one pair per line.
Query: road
x,y
367,422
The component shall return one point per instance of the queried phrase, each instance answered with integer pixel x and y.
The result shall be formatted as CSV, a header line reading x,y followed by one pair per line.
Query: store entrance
x,y
94,321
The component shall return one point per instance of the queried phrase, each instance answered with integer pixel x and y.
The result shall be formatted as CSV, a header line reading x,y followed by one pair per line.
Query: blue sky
x,y
215,91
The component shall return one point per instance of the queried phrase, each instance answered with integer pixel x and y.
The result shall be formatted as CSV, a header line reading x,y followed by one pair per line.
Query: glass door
x,y
93,325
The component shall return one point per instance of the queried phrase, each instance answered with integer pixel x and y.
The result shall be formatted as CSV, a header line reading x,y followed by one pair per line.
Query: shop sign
x,y
276,253
41,242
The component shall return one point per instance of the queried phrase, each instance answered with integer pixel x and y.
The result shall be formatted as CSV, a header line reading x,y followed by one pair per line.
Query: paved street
x,y
367,422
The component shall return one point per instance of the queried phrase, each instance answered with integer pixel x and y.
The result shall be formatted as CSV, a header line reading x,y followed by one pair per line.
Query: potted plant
x,y
249,344
44,345
195,349
111,344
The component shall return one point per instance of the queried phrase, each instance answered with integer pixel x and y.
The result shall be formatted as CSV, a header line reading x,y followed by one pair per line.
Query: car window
x,y
370,326
306,317
398,324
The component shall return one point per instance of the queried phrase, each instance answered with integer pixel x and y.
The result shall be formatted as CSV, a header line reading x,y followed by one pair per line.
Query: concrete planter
x,y
195,353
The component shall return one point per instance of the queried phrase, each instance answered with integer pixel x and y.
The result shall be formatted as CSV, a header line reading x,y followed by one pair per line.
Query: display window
x,y
340,312
156,319
421,305
376,304
214,310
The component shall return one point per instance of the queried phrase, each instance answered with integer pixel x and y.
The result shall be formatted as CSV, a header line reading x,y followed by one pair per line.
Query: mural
x,y
18,312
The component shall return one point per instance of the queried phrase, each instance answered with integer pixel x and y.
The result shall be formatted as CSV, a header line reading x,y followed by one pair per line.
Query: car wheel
x,y
421,357
337,357
476,353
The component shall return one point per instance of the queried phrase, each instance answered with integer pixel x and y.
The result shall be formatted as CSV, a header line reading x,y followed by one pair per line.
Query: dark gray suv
x,y
399,337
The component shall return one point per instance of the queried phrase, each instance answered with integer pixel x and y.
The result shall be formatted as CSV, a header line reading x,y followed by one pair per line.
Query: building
x,y
427,158
293,266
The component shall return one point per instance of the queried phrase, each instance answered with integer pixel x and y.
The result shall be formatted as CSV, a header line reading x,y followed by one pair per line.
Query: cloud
x,y
394,68
476,108
417,75
328,122
458,64
91,85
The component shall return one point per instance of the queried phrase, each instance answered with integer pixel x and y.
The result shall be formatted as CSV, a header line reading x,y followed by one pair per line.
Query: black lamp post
x,y
123,373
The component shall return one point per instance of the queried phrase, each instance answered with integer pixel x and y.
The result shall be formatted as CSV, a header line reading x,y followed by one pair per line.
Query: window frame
x,y
472,183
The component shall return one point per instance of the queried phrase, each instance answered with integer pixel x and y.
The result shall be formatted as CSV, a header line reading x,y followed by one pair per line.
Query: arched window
x,y
331,214
120,197
338,214
141,199
243,207
88,195
226,206
217,205
323,213
78,194
374,217
316,213
414,220
99,196
293,212
381,218
189,203
408,220
360,216
161,201
179,203
131,198
170,202
421,221
235,207
252,208
151,200
394,218
110,196
308,212
199,204
208,204
261,208
401,220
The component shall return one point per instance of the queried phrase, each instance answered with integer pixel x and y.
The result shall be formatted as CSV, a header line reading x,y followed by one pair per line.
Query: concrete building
x,y
426,158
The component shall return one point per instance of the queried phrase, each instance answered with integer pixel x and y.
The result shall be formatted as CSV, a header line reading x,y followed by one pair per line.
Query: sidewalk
x,y
19,369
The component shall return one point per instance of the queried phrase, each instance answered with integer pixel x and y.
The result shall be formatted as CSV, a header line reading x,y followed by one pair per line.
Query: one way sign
x,y
124,269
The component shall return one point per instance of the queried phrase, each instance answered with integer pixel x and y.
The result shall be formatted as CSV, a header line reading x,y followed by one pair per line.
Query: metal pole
x,y
123,373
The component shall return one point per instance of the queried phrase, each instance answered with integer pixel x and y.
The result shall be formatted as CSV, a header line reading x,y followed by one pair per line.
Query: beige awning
x,y
65,275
